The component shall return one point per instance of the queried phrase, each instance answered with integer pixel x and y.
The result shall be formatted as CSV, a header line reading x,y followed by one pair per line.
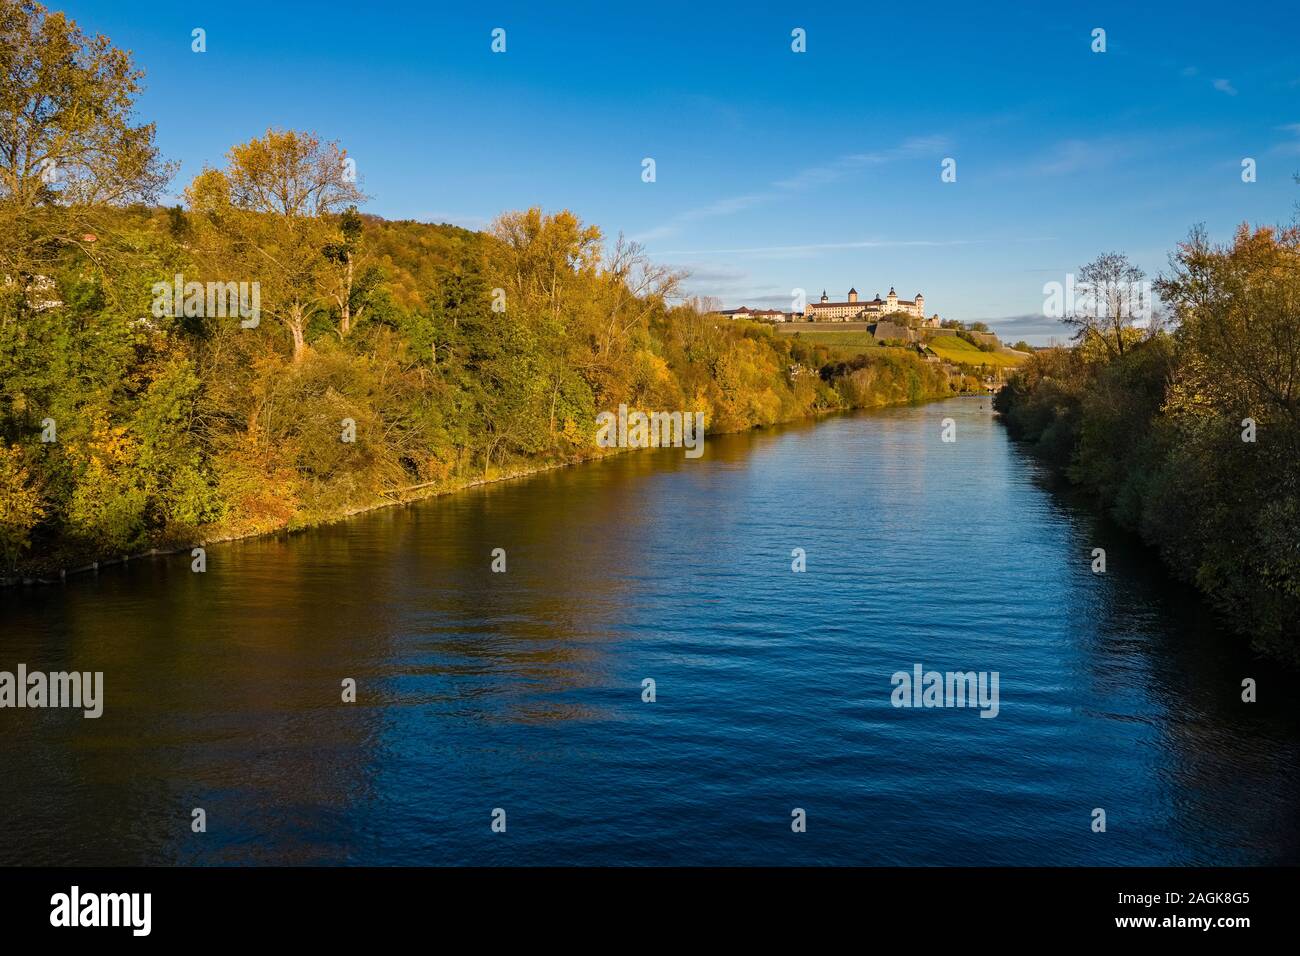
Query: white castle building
x,y
856,310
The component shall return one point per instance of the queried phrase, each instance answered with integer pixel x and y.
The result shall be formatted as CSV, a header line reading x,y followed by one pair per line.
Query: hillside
x,y
952,348
393,358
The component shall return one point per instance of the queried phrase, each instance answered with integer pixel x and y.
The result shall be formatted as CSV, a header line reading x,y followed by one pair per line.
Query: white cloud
x,y
1073,155
863,244
807,178
1032,327
1289,147
843,165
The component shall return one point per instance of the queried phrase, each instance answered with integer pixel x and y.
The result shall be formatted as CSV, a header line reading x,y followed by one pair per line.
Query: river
x,y
523,691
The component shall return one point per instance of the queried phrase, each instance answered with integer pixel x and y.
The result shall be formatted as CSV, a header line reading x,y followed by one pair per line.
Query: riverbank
x,y
122,436
219,537
1215,491
88,564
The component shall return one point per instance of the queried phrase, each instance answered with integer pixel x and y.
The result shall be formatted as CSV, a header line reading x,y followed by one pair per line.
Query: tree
x,y
1239,308
547,265
20,504
68,146
638,282
1111,297
275,210
351,292
459,302
537,255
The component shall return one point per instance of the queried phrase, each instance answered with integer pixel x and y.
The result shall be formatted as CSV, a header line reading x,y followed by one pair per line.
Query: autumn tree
x,y
1239,308
275,209
547,268
639,286
1111,298
68,144
20,504
353,284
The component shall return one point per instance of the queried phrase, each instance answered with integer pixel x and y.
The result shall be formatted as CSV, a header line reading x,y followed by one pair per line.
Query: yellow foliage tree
x,y
20,504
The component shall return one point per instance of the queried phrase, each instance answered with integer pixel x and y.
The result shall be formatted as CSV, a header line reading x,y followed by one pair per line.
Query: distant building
x,y
855,310
895,312
759,315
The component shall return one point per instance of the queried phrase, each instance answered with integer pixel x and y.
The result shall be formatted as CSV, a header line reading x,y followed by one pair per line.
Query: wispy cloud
x,y
805,179
1033,327
1222,85
863,244
714,210
718,275
731,284
1289,147
1069,157
844,165
1073,155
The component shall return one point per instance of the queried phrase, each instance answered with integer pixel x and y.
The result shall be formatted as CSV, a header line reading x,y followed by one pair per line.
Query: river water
x,y
522,691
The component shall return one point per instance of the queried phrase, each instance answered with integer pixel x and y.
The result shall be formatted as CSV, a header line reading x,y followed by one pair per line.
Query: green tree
x,y
273,211
20,504
68,146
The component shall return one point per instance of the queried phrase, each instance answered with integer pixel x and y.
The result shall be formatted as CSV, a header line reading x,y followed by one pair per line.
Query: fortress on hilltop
x,y
853,309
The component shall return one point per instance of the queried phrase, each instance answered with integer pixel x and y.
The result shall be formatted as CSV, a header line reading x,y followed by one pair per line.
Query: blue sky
x,y
774,170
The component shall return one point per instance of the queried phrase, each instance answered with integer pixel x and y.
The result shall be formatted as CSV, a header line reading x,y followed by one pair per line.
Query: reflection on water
x,y
523,690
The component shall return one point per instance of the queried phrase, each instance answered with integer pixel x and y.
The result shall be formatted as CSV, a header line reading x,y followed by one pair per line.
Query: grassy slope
x,y
847,343
960,352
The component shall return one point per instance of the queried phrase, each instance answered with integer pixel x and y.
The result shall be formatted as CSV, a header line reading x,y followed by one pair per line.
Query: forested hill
x,y
377,364
265,356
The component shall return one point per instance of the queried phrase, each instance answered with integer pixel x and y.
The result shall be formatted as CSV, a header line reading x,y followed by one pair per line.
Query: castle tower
x,y
920,305
824,299
853,295
891,301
